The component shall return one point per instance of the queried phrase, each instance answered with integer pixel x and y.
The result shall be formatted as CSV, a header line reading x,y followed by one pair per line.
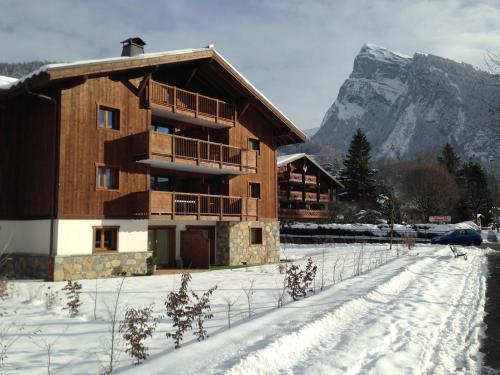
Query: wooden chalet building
x,y
105,162
305,189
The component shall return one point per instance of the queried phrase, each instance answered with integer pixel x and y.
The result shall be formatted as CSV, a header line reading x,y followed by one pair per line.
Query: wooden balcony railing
x,y
324,198
202,206
297,178
297,196
292,213
191,104
174,148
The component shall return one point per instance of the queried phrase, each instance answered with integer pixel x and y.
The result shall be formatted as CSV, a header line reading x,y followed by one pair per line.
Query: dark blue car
x,y
459,237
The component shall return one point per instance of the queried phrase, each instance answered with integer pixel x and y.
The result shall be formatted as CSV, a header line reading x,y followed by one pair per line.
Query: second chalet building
x,y
305,189
105,162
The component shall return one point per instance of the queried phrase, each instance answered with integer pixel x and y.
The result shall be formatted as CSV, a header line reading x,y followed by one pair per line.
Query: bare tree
x,y
430,190
95,300
249,291
229,304
113,344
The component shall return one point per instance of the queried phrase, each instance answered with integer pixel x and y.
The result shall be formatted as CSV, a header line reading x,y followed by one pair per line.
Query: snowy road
x,y
418,314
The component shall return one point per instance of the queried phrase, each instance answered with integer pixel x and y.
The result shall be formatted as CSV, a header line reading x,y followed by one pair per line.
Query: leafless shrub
x,y
47,346
298,281
281,297
410,242
95,300
4,288
322,268
73,303
10,333
201,312
282,268
342,269
112,344
230,303
249,294
334,273
136,327
51,298
183,313
177,310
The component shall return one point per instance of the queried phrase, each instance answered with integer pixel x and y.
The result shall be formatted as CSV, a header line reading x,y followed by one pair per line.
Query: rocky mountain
x,y
410,105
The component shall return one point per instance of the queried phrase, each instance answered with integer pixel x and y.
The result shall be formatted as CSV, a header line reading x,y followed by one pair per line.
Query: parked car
x,y
459,237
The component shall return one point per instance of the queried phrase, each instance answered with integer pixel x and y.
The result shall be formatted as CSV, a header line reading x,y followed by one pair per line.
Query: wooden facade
x,y
53,155
305,189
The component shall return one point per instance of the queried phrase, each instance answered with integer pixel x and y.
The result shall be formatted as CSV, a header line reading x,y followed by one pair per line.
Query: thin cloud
x,y
297,52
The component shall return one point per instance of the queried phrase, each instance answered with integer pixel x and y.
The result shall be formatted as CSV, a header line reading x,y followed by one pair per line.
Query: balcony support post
x,y
173,205
174,104
221,207
198,201
197,111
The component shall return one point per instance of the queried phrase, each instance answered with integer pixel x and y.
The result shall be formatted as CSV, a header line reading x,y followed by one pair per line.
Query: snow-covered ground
x,y
419,312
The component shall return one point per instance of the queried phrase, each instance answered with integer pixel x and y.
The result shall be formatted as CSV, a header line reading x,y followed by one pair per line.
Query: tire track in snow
x,y
457,326
288,350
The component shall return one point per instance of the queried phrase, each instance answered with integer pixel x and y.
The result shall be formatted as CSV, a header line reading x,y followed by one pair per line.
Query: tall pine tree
x,y
449,159
475,197
357,176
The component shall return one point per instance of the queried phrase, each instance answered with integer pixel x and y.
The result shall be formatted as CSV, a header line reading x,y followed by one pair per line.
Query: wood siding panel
x,y
27,137
83,145
253,125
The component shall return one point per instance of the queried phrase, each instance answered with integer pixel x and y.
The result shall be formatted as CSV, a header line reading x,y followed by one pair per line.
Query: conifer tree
x,y
449,159
475,197
357,176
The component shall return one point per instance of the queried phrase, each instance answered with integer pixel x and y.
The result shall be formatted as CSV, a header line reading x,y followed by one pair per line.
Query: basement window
x,y
109,118
108,178
106,238
255,236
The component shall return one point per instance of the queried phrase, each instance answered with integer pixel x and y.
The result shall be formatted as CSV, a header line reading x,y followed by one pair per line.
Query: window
x,y
109,118
106,238
108,178
161,128
253,144
162,183
254,189
255,236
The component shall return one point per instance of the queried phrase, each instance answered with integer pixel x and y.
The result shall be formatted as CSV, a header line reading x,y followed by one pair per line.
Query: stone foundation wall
x,y
99,265
233,243
21,266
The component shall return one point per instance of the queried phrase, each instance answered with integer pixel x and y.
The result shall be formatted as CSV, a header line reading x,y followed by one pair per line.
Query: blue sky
x,y
296,52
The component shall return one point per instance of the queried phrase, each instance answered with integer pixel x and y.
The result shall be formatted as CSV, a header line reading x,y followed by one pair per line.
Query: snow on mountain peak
x,y
381,53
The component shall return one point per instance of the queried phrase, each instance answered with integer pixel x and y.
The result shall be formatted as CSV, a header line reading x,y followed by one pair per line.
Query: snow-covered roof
x,y
6,82
285,159
153,59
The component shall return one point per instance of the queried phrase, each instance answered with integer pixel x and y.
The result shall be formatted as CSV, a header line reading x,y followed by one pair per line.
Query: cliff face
x,y
409,105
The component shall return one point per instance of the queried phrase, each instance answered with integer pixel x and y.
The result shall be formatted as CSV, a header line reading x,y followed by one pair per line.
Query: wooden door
x,y
161,241
209,233
195,249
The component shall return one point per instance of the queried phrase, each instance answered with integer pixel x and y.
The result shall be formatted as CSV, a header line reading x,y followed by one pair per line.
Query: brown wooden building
x,y
305,189
103,162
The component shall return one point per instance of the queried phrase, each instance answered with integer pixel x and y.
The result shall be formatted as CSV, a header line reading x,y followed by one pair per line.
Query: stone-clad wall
x,y
25,266
99,265
233,243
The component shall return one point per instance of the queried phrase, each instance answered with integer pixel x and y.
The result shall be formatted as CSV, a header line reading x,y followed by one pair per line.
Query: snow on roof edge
x,y
242,77
79,63
285,159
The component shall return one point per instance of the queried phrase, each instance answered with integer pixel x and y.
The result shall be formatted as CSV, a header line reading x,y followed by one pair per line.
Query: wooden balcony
x,y
195,155
309,196
187,206
173,102
296,178
302,214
